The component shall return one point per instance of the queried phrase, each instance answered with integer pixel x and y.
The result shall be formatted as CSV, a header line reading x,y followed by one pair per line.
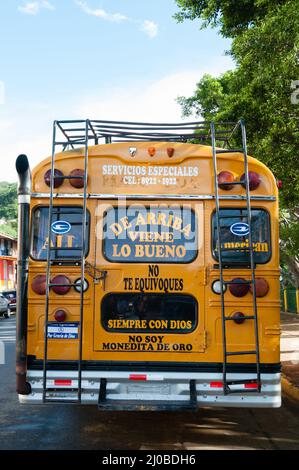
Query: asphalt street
x,y
43,427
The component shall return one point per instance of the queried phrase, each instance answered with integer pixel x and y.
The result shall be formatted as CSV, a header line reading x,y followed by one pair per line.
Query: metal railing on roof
x,y
73,132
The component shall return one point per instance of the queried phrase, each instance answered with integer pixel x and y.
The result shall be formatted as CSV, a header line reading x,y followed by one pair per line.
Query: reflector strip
x,y
137,377
216,384
253,385
62,382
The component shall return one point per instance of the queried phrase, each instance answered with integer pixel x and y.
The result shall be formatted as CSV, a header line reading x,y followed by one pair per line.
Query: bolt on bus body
x,y
148,270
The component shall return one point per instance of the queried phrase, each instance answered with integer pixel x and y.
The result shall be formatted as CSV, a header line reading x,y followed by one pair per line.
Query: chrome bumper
x,y
155,387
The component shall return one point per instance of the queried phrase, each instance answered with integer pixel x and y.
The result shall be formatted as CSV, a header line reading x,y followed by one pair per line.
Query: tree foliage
x,y
8,208
290,245
265,48
232,16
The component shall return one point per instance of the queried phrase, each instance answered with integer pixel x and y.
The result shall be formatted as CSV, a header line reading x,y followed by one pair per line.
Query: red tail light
x,y
63,284
261,287
58,178
279,184
138,377
38,284
226,177
79,181
216,384
239,290
253,385
254,180
60,316
63,383
239,318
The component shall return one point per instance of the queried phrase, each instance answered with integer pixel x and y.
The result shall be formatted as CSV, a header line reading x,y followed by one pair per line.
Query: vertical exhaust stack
x,y
24,193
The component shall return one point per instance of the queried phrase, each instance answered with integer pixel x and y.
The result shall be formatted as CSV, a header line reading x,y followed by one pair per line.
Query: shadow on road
x,y
44,427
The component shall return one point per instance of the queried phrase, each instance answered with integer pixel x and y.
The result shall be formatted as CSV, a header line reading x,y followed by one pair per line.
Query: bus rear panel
x,y
173,313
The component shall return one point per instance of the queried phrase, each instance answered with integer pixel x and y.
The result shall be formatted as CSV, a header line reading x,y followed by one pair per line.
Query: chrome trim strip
x,y
146,197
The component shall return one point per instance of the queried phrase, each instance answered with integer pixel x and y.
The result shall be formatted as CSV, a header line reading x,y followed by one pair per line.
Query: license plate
x,y
148,388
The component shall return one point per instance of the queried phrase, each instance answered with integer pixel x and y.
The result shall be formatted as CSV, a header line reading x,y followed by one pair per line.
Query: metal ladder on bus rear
x,y
53,390
256,382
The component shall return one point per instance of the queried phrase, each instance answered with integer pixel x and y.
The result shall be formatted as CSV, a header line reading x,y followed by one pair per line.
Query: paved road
x,y
8,330
71,427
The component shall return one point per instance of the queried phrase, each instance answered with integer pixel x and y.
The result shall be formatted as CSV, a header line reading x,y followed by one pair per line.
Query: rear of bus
x,y
152,325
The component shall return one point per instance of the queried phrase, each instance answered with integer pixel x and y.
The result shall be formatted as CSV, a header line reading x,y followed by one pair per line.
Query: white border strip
x,y
187,197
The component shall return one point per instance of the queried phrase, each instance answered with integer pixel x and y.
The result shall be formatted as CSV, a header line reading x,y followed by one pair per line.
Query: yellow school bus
x,y
148,269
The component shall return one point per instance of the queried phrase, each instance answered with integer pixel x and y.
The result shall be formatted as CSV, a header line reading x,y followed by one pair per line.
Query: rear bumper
x,y
160,389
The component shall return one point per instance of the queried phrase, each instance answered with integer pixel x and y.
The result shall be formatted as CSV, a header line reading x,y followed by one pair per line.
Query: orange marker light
x,y
170,152
152,151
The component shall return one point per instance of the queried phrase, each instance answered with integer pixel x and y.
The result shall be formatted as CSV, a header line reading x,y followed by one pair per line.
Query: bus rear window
x,y
66,233
234,236
149,313
150,234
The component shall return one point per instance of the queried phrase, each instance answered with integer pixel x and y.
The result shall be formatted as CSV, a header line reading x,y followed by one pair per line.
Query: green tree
x,y
290,245
265,48
233,17
8,208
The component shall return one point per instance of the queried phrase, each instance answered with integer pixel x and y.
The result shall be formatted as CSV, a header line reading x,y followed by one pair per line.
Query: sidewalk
x,y
290,354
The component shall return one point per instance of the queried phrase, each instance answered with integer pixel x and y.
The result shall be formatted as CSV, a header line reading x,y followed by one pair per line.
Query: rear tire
x,y
7,313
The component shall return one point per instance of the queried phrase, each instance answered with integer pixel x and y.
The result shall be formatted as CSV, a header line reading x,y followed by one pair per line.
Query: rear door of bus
x,y
150,307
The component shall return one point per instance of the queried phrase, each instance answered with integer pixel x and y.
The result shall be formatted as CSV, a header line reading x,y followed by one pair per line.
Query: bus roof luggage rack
x,y
256,352
78,132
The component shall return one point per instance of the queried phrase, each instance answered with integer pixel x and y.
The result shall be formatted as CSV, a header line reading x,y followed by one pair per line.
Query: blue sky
x,y
103,59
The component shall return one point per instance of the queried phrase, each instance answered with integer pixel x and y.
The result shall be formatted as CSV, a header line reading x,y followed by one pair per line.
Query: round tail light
x,y
254,180
239,318
77,180
38,284
216,287
60,316
77,285
238,289
63,284
58,178
226,177
261,287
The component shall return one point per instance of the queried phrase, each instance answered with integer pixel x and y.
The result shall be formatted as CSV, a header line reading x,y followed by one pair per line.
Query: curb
x,y
290,390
